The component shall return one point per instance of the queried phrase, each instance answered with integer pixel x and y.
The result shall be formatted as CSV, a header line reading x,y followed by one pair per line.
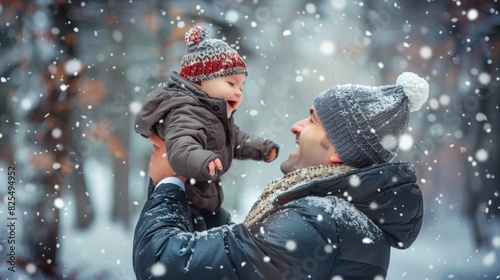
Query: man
x,y
337,211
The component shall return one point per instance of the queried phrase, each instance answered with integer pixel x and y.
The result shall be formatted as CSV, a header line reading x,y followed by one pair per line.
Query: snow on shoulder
x,y
345,213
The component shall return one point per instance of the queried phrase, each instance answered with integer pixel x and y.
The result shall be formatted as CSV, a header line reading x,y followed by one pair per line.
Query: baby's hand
x,y
214,164
272,155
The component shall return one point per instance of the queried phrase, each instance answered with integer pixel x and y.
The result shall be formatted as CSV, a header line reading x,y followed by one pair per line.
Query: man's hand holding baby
x,y
159,168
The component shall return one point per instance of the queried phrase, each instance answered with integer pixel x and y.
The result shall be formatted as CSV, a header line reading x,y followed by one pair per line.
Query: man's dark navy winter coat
x,y
317,230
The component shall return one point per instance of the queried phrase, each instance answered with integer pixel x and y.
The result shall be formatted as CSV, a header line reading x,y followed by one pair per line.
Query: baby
x,y
193,113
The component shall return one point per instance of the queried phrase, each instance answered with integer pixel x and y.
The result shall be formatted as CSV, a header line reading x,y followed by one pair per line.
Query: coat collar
x,y
385,193
356,184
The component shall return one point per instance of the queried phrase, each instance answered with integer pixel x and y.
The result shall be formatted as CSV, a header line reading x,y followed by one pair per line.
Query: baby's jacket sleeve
x,y
181,122
252,147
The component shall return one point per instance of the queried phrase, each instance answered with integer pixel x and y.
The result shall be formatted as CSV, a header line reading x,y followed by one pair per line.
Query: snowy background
x,y
73,74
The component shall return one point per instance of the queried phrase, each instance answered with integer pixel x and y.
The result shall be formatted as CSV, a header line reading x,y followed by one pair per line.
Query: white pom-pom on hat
x,y
415,87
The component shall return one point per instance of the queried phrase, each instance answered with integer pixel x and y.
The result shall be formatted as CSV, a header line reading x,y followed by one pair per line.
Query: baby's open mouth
x,y
232,104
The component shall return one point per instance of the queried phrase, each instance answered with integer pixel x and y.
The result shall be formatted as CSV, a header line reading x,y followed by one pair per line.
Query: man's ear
x,y
334,158
327,145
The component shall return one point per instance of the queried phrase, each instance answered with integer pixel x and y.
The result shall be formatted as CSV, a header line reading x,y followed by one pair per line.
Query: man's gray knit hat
x,y
364,123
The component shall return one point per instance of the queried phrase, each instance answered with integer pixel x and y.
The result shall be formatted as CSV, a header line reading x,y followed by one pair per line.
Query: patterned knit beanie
x,y
208,58
364,123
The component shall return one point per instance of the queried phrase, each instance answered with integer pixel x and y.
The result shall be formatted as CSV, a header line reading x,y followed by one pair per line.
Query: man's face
x,y
314,146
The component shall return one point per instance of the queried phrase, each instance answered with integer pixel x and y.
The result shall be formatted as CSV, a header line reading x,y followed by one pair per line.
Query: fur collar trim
x,y
289,182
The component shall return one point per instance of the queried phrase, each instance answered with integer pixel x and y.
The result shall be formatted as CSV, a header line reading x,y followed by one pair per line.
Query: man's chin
x,y
287,166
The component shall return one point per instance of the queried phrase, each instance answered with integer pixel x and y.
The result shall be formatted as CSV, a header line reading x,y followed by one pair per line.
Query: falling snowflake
x,y
291,245
158,270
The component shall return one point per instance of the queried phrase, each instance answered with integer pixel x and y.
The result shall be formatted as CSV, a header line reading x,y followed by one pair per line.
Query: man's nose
x,y
298,126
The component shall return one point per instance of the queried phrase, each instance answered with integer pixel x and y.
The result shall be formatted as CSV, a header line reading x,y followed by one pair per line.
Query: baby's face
x,y
228,87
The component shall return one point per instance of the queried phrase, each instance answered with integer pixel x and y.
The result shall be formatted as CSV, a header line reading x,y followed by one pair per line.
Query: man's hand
x,y
159,168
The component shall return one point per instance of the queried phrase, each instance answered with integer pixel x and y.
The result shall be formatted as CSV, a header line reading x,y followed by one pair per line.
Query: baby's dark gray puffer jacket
x,y
196,129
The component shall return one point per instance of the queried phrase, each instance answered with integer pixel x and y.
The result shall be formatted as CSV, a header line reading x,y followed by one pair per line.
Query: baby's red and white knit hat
x,y
208,58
